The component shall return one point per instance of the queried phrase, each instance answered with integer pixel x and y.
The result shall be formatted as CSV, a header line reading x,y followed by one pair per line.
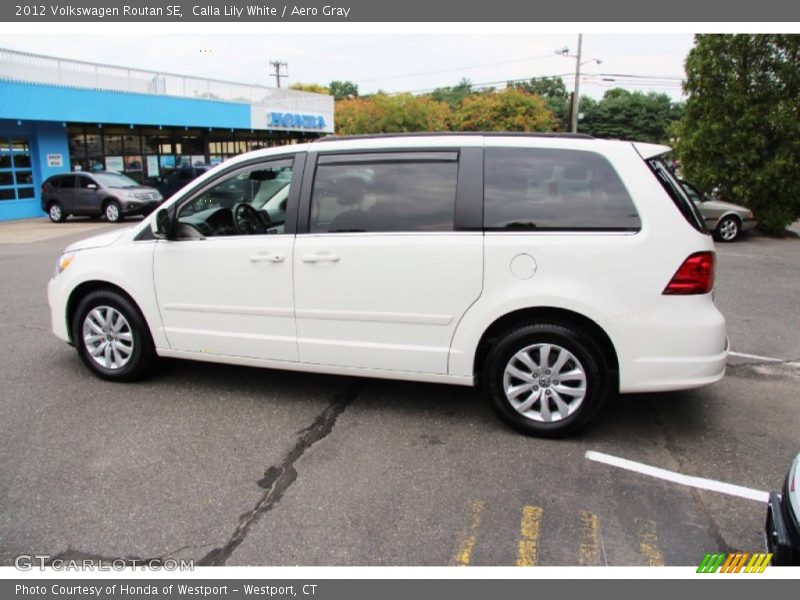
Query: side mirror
x,y
163,225
91,186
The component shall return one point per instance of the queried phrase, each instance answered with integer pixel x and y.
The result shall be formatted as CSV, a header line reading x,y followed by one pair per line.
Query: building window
x,y
16,176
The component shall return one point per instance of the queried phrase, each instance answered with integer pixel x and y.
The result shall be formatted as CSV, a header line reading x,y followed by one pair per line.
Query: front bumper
x,y
139,208
56,298
782,531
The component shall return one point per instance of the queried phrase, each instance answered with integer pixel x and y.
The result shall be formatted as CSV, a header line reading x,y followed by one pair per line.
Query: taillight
x,y
694,276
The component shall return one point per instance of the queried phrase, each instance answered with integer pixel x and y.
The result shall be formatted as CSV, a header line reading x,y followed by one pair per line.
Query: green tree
x,y
741,131
341,90
625,115
381,113
511,109
555,94
453,95
314,88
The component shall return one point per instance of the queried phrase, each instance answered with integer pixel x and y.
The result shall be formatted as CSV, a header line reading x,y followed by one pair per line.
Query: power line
x,y
481,66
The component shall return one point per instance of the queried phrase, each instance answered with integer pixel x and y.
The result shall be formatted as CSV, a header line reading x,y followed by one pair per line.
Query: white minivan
x,y
551,271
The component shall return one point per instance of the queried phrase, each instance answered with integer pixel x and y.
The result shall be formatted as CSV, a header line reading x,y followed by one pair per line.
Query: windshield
x,y
115,180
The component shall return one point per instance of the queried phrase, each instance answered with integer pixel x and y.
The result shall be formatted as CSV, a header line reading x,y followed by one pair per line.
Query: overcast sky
x,y
394,63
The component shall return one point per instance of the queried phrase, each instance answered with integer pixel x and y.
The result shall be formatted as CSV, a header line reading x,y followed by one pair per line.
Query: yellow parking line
x,y
528,550
589,539
766,562
648,542
467,538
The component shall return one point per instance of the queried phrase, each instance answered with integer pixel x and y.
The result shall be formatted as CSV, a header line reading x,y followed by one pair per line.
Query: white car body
x,y
414,305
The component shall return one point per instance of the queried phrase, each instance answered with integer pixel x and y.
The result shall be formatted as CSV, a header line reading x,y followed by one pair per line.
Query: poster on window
x,y
115,163
152,165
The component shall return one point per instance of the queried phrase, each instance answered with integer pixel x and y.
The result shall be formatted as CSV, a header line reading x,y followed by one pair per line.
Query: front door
x,y
382,277
224,283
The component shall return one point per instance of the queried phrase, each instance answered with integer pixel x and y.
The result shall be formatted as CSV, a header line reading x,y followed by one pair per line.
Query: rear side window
x,y
390,192
67,182
556,190
678,195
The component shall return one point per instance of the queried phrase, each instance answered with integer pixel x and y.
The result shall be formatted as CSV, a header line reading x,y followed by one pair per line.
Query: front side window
x,y
251,201
384,194
556,190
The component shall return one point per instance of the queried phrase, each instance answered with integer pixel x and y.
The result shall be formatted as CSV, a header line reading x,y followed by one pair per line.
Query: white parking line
x,y
756,357
696,482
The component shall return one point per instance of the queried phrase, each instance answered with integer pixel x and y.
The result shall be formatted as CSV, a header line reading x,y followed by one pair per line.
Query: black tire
x,y
583,349
56,212
112,211
728,229
142,358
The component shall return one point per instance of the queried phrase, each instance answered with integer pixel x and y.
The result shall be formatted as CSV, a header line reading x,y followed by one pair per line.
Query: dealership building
x,y
59,115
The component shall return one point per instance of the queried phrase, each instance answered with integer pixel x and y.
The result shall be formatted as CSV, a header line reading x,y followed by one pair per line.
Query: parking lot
x,y
238,466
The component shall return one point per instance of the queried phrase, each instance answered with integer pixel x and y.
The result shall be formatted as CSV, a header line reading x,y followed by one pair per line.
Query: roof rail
x,y
370,136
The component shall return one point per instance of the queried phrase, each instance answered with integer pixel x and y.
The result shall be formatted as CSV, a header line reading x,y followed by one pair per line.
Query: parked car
x,y
727,220
550,271
96,194
179,178
783,520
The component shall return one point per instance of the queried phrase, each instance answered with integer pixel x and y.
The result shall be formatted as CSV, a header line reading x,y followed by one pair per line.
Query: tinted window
x,y
543,189
401,195
678,195
85,182
67,182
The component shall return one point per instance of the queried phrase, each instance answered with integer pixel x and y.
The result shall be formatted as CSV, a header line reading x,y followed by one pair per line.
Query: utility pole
x,y
573,118
279,71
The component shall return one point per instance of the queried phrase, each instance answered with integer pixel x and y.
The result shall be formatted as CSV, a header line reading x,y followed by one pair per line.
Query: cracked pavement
x,y
238,466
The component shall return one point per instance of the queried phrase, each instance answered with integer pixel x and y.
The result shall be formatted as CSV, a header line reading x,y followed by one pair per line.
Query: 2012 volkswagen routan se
x,y
551,271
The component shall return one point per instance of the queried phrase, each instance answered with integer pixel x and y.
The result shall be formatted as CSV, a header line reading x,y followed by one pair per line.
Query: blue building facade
x,y
145,130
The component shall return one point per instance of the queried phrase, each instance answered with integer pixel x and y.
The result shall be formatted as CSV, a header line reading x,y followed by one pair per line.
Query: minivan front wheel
x,y
546,379
112,211
112,337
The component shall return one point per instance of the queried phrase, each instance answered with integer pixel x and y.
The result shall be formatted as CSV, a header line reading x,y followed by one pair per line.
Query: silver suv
x,y
102,193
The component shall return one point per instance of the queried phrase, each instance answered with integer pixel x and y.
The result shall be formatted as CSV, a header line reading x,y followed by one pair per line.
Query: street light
x,y
573,113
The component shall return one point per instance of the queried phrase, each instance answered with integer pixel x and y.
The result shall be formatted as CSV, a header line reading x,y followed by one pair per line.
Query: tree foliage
x,y
741,131
625,115
453,95
342,90
555,94
511,109
381,113
314,88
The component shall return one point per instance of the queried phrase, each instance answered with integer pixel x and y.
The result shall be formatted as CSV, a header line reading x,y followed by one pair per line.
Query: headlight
x,y
63,262
749,215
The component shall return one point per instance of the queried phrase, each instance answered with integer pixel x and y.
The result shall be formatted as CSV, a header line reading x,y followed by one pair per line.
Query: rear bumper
x,y
681,344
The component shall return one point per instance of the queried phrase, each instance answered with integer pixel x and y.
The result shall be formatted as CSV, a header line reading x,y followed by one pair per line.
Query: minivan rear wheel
x,y
112,211
56,212
111,337
546,379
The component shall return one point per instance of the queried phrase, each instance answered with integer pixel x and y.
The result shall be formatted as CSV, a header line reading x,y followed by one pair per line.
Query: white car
x,y
551,271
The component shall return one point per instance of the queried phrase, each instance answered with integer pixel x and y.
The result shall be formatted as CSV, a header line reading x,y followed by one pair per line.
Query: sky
x,y
393,63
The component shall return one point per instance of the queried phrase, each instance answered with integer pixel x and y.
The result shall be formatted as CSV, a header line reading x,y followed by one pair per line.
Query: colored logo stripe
x,y
734,562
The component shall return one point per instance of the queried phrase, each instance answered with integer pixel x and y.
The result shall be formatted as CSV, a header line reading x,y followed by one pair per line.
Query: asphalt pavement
x,y
239,466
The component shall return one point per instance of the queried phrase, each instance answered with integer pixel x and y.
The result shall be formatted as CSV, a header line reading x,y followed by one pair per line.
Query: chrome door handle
x,y
272,257
320,257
